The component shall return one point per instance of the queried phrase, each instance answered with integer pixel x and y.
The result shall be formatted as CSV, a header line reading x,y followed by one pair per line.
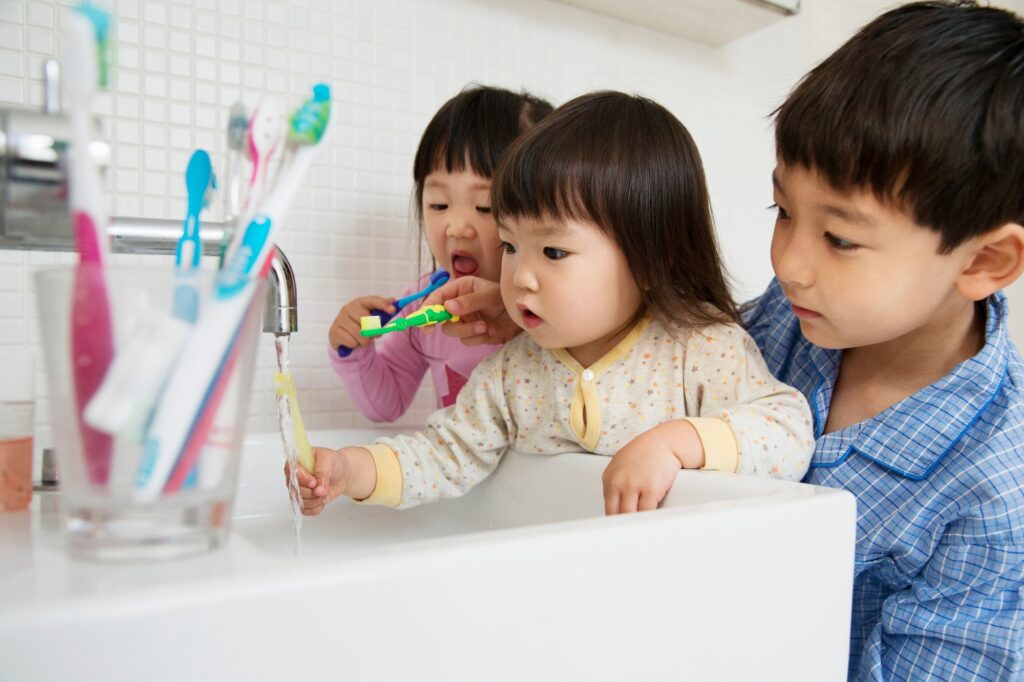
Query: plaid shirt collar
x,y
899,438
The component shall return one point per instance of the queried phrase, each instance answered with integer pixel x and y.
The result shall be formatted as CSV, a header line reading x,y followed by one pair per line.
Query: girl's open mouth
x,y
530,318
464,265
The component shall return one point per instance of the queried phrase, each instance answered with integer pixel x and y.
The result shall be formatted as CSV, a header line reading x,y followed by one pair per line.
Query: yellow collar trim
x,y
585,411
609,358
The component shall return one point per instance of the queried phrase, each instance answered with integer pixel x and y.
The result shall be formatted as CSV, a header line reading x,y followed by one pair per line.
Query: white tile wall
x,y
181,64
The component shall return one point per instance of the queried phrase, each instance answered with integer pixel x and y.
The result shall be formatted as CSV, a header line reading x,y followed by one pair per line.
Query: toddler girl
x,y
610,265
452,171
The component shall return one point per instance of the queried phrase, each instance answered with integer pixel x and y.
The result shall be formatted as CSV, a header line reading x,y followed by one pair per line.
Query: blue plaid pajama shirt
x,y
939,481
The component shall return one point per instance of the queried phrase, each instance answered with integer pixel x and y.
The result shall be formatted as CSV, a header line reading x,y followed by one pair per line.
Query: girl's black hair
x,y
627,165
471,130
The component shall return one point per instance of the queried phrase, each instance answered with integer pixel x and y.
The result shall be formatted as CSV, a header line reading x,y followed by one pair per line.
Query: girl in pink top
x,y
457,155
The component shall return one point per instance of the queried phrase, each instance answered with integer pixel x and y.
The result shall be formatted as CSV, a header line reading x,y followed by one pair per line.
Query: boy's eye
x,y
782,215
507,248
555,254
839,243
437,207
486,210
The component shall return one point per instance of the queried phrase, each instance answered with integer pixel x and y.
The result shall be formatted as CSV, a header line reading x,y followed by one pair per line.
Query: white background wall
x,y
180,66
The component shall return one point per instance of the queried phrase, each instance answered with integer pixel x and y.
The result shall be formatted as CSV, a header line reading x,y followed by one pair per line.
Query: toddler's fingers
x,y
312,509
465,330
323,470
648,501
611,502
347,338
453,288
378,303
628,502
305,479
484,302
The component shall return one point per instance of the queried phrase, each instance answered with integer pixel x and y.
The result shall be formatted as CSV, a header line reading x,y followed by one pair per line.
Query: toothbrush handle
x,y
345,351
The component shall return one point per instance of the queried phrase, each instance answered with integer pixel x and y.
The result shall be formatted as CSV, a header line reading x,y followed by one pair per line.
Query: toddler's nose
x,y
524,278
461,227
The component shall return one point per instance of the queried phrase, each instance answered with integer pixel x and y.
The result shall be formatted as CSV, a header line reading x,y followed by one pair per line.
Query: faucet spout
x,y
281,306
281,311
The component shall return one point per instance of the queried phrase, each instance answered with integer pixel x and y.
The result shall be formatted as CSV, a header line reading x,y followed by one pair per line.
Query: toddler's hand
x,y
333,476
641,473
345,329
478,302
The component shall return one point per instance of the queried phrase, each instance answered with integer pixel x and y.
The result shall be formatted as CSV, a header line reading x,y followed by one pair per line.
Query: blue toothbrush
x,y
436,281
199,182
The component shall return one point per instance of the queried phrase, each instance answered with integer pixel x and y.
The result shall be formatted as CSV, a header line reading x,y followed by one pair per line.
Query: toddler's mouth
x,y
463,264
530,318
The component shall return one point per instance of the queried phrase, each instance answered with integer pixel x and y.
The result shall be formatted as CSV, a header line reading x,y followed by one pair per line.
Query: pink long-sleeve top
x,y
382,378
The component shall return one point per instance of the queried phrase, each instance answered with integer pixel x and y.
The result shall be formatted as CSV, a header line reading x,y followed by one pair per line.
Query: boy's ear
x,y
995,260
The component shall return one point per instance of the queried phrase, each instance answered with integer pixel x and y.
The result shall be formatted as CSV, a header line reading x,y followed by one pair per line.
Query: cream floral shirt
x,y
543,402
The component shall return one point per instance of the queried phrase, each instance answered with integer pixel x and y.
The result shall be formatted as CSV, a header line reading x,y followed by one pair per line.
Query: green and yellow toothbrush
x,y
369,325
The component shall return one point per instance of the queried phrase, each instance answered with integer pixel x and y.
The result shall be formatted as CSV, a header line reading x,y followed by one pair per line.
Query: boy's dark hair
x,y
924,107
629,166
472,130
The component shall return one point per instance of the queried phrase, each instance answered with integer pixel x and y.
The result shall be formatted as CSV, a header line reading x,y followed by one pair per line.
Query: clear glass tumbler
x,y
105,516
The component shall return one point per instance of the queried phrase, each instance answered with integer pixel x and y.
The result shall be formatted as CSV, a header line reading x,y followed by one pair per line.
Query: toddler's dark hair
x,y
471,130
924,107
627,165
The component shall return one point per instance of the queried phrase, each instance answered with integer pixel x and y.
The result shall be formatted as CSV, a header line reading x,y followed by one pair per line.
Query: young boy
x,y
900,197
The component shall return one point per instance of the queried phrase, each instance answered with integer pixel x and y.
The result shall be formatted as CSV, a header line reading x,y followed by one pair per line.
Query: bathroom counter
x,y
734,577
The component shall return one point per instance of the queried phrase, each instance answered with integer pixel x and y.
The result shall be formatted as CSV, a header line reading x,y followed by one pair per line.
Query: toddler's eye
x,y
486,210
437,207
507,248
839,243
782,215
555,254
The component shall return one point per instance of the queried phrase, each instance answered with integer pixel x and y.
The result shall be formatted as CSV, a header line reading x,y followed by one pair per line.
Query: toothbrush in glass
x,y
190,401
123,401
267,130
85,54
200,182
238,132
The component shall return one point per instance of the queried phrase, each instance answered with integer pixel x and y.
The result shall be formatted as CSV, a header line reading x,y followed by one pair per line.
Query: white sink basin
x,y
524,578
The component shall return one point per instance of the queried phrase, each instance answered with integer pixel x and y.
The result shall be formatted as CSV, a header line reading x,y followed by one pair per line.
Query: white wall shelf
x,y
710,22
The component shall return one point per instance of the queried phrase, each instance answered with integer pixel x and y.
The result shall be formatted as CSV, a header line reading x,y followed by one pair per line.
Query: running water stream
x,y
284,420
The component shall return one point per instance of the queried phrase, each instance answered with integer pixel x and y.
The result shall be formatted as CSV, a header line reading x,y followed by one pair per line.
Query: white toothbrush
x,y
191,399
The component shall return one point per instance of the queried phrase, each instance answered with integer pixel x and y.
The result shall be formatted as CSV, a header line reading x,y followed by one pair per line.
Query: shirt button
x,y
588,375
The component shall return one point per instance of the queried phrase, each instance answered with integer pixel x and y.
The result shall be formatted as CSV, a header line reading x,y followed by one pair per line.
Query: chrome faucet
x,y
142,235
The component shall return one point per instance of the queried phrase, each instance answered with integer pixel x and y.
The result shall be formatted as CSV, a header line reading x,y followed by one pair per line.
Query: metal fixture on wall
x,y
34,201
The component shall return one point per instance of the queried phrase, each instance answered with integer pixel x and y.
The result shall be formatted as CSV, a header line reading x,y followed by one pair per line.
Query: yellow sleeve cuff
x,y
721,453
388,491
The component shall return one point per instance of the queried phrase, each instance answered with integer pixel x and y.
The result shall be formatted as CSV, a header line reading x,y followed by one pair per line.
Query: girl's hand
x,y
478,302
345,329
349,471
641,473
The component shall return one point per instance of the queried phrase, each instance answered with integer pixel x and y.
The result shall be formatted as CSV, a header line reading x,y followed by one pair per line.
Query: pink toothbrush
x,y
266,132
92,335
